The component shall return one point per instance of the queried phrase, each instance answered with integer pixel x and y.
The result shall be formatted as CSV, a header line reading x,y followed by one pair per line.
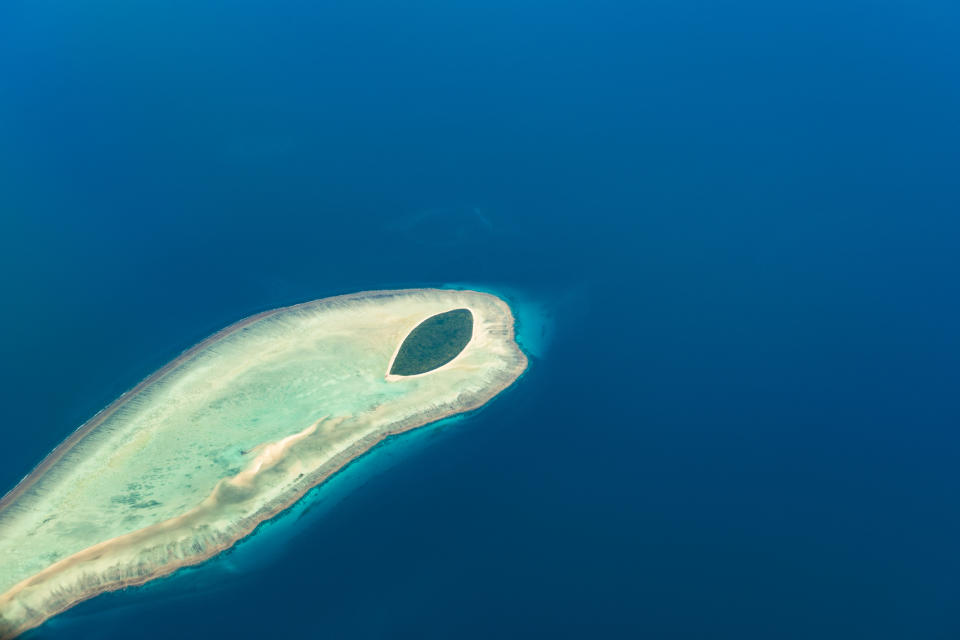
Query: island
x,y
433,343
237,429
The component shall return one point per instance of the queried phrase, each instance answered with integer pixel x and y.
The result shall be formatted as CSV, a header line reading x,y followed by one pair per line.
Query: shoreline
x,y
80,432
350,456
268,511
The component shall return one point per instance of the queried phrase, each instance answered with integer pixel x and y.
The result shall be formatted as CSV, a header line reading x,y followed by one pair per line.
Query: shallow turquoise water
x,y
739,219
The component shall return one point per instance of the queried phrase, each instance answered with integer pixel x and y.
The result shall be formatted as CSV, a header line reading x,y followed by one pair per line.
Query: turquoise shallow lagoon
x,y
729,233
266,545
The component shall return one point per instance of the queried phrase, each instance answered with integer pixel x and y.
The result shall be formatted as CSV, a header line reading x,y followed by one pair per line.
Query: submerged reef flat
x,y
234,431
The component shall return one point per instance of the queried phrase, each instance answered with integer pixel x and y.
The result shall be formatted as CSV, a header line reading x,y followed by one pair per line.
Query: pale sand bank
x,y
229,434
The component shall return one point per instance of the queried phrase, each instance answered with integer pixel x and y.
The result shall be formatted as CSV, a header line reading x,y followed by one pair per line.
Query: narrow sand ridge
x,y
229,434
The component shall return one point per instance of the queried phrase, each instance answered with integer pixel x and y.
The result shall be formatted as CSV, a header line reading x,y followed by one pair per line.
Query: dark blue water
x,y
741,216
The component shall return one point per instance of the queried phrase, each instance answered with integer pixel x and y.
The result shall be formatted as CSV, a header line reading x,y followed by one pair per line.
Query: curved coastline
x,y
80,432
268,510
533,317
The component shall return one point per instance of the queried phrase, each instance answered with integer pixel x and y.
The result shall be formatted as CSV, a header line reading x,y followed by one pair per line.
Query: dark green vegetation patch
x,y
434,342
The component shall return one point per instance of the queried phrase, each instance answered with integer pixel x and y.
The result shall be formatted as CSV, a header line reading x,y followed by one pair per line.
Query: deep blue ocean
x,y
736,228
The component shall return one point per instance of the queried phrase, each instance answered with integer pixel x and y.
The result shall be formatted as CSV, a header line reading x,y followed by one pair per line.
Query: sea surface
x,y
731,230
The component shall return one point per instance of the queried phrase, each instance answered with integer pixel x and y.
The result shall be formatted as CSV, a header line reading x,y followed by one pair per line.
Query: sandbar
x,y
229,434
